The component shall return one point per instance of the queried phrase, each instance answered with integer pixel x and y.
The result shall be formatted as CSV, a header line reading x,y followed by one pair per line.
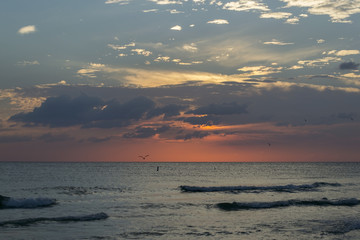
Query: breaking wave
x,y
28,221
279,188
234,206
79,191
9,202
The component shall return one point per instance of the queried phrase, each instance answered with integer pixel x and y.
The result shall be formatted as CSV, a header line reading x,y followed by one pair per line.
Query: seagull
x,y
143,157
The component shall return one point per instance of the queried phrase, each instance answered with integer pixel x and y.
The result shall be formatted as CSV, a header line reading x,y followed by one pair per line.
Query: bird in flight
x,y
143,157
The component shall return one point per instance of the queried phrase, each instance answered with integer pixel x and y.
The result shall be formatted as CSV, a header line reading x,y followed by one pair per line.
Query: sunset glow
x,y
180,80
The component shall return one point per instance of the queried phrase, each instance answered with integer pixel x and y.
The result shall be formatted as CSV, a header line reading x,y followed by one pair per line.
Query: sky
x,y
180,80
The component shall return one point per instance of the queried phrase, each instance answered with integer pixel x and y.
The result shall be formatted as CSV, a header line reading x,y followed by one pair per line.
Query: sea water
x,y
179,200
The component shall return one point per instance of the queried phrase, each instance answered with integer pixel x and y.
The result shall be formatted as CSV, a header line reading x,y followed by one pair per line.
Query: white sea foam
x,y
8,202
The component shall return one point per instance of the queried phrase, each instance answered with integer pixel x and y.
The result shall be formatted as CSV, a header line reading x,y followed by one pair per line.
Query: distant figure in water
x,y
157,169
269,144
143,157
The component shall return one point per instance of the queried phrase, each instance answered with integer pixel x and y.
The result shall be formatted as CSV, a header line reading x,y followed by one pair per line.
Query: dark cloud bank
x,y
92,112
349,66
228,104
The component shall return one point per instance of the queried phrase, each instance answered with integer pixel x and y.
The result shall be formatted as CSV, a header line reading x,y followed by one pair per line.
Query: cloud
x,y
146,132
91,70
176,28
342,53
277,42
347,52
276,15
338,11
85,111
28,63
150,10
195,134
121,47
220,109
15,138
203,120
143,52
168,111
319,62
293,20
258,70
121,2
349,66
218,21
166,2
244,5
162,59
349,116
190,47
49,137
174,11
185,111
27,29
18,101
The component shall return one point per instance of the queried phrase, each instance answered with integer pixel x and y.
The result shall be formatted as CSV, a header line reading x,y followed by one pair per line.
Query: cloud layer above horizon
x,y
221,73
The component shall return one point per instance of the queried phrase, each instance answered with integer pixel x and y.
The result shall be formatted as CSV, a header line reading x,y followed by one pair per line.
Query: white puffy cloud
x,y
121,2
244,5
338,11
294,20
342,53
162,59
277,42
141,51
176,28
121,47
276,15
259,70
190,47
166,2
90,70
347,52
295,67
319,62
27,29
150,10
218,21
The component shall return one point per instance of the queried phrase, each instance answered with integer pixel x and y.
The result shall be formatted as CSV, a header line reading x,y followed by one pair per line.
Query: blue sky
x,y
287,66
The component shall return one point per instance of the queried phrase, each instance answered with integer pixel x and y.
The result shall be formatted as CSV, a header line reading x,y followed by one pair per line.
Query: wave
x,y
78,191
28,221
279,188
342,227
9,202
288,203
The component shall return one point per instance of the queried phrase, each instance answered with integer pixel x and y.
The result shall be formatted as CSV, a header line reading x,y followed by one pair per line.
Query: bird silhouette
x,y
143,157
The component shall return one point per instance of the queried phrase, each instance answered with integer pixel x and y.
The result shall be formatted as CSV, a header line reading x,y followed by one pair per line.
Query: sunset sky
x,y
180,80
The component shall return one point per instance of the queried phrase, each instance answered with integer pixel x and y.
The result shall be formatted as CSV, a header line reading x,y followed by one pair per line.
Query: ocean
x,y
179,200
